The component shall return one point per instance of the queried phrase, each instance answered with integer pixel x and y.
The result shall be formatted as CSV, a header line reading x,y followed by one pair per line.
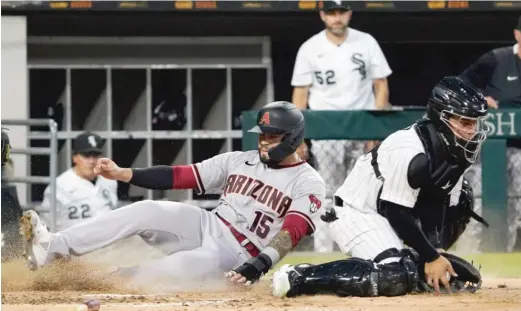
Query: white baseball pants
x,y
362,235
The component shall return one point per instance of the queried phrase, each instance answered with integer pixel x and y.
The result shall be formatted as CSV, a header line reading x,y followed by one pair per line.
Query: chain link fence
x,y
469,241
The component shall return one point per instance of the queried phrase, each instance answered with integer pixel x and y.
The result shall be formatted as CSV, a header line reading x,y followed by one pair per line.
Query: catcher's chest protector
x,y
444,171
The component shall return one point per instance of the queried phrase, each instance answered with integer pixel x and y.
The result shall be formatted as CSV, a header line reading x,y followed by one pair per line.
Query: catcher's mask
x,y
459,109
280,118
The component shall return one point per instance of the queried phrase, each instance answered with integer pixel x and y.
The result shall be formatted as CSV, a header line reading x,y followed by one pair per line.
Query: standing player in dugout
x,y
498,74
270,199
407,190
340,68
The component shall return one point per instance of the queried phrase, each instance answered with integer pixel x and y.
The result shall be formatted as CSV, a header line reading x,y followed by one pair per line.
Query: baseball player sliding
x,y
408,189
270,199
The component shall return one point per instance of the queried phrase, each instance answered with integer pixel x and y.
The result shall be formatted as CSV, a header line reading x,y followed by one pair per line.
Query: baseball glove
x,y
468,279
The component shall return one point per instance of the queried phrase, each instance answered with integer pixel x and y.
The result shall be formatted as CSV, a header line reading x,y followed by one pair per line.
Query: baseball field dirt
x,y
64,286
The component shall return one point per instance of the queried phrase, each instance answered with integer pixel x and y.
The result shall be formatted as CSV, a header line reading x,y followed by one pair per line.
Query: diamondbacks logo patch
x,y
315,204
265,118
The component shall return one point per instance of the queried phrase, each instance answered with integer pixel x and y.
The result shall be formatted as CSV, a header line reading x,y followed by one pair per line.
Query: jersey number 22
x,y
82,212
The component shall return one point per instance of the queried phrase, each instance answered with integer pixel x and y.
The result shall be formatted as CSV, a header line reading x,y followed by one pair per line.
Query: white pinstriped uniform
x,y
360,230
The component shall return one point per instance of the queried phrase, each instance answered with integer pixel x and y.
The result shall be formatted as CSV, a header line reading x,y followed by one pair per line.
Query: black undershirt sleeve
x,y
403,223
432,217
160,177
480,72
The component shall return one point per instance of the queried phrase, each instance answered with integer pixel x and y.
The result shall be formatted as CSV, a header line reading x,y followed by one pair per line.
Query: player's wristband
x,y
273,254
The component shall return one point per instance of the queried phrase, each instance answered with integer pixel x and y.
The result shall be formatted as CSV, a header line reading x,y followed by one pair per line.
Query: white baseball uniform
x,y
360,230
255,200
78,199
340,78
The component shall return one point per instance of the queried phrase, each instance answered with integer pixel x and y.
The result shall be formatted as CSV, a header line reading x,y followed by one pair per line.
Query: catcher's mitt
x,y
468,279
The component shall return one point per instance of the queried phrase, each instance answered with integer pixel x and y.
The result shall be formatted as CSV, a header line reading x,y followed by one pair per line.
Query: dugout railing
x,y
52,152
376,125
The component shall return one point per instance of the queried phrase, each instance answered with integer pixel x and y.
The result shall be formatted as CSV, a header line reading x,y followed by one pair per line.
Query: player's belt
x,y
243,240
338,201
374,162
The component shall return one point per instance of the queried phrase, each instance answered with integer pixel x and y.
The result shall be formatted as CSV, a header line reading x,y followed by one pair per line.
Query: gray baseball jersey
x,y
256,198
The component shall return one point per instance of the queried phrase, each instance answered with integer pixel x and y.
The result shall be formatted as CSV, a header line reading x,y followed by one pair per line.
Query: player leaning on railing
x,y
11,209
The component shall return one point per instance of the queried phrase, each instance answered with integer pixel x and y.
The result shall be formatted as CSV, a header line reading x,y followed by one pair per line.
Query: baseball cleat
x,y
36,239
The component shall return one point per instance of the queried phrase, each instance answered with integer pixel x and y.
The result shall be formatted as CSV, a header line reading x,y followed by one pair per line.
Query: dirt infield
x,y
62,288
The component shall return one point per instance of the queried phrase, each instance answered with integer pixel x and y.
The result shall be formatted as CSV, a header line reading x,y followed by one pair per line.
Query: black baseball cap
x,y
336,5
88,143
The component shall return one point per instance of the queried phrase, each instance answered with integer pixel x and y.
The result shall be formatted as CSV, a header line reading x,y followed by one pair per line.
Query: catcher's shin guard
x,y
354,277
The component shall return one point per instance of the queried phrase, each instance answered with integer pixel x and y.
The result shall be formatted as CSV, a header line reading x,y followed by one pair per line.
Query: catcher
x,y
407,190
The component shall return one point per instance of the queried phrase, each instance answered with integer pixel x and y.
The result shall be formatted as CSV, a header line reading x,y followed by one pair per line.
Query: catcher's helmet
x,y
281,118
455,99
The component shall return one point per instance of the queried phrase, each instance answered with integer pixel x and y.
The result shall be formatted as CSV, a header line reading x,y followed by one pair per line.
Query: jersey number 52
x,y
328,77
77,213
261,224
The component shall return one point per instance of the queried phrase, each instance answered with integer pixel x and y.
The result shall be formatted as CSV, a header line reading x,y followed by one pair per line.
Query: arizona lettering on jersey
x,y
78,199
265,194
341,77
255,198
361,187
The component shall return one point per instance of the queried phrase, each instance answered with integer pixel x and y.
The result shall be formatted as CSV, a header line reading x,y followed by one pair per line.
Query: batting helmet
x,y
281,118
455,99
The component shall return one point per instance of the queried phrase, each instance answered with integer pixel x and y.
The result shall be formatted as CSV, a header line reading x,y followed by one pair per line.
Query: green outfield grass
x,y
492,264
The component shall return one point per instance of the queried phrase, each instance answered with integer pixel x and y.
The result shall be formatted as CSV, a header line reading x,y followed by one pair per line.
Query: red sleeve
x,y
297,227
184,177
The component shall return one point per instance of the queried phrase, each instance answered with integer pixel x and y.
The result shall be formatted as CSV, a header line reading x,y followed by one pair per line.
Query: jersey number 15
x,y
261,224
328,77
